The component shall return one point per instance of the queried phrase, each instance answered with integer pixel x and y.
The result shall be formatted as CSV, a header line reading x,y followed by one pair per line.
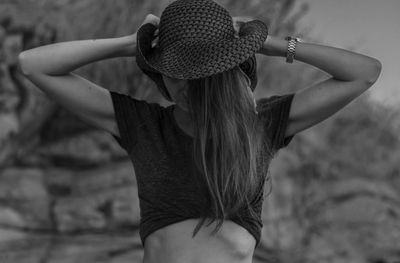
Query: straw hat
x,y
197,39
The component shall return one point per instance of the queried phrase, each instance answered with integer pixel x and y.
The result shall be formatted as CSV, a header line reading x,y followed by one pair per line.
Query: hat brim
x,y
197,59
145,35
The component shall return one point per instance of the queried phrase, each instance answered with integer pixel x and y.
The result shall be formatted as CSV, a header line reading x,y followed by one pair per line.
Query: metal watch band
x,y
291,48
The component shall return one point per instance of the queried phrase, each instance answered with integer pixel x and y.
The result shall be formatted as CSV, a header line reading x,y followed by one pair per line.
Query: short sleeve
x,y
130,115
274,112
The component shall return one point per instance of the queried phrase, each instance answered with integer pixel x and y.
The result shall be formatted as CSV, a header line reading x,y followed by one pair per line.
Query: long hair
x,y
228,141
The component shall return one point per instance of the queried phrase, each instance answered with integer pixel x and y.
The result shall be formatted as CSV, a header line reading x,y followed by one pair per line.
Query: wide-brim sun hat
x,y
197,39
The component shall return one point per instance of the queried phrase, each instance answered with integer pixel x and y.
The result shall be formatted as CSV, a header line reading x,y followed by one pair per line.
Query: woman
x,y
206,156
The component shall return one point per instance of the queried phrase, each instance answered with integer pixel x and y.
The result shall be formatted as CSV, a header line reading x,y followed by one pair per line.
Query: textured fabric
x,y
169,188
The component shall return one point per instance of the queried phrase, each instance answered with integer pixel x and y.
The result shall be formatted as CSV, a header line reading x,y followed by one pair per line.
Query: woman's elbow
x,y
374,73
22,64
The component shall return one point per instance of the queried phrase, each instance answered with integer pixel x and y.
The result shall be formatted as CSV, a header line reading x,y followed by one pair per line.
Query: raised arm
x,y
50,68
63,57
352,74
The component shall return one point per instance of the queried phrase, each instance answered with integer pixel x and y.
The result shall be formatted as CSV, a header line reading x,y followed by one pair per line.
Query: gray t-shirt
x,y
169,188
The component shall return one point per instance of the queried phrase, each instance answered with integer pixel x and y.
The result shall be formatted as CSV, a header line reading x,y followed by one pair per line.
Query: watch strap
x,y
291,48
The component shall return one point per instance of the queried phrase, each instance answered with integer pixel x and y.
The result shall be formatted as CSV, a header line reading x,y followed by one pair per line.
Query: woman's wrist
x,y
274,46
128,46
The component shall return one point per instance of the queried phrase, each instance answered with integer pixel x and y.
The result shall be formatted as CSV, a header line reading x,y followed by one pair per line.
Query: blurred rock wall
x,y
64,186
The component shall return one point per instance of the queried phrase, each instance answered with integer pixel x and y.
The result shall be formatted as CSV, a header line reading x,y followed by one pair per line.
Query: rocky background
x,y
68,191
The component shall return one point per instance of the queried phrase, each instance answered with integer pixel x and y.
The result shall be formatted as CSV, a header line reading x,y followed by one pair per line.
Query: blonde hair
x,y
228,142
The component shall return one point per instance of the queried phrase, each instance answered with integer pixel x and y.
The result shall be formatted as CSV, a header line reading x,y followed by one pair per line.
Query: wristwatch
x,y
291,48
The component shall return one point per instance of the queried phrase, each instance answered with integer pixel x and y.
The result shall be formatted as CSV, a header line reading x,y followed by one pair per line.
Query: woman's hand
x,y
238,21
130,50
155,20
150,18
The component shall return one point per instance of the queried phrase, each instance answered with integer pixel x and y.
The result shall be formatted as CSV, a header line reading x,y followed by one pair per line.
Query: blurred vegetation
x,y
335,187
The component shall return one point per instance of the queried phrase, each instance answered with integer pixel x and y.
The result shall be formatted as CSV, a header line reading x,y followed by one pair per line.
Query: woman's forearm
x,y
342,64
64,57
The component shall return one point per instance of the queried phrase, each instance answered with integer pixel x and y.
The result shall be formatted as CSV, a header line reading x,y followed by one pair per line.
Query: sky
x,y
372,26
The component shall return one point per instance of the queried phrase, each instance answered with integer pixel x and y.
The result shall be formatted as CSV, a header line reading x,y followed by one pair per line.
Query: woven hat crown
x,y
197,21
197,39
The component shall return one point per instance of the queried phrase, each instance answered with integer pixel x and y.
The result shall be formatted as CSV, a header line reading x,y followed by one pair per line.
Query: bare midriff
x,y
175,244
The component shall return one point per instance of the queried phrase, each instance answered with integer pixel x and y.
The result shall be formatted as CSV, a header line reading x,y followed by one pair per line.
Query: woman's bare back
x,y
175,244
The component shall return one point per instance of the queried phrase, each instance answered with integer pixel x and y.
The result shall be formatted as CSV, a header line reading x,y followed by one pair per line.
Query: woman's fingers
x,y
238,21
154,42
150,18
155,20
